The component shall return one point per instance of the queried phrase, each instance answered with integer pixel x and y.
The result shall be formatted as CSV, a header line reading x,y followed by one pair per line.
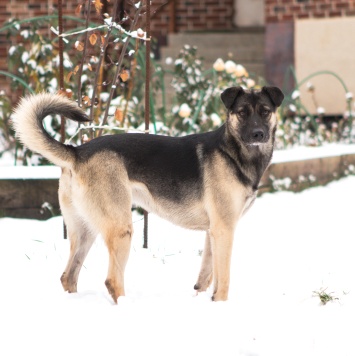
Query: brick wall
x,y
193,15
289,10
190,15
24,9
280,17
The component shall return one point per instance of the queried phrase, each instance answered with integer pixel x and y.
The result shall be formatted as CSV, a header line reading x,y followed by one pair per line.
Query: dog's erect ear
x,y
275,94
230,95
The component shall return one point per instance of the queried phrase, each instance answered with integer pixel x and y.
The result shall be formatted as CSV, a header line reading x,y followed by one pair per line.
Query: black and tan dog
x,y
202,181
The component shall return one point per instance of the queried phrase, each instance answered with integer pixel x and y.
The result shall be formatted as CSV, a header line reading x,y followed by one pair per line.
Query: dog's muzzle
x,y
256,136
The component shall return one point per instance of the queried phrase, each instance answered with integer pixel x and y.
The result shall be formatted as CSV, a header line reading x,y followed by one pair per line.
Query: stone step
x,y
254,69
237,54
243,48
217,39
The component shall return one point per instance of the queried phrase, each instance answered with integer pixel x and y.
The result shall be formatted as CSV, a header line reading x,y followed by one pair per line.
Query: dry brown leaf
x,y
78,9
76,69
86,100
119,115
93,38
98,6
68,76
124,75
90,67
68,93
79,46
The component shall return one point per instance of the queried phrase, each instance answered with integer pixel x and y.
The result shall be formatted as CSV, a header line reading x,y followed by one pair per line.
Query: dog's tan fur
x,y
99,184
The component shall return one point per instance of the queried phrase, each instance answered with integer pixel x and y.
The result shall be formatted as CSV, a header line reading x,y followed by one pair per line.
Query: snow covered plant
x,y
33,64
7,140
34,58
298,126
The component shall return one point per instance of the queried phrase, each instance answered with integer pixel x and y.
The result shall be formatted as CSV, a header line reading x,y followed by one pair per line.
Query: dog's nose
x,y
257,135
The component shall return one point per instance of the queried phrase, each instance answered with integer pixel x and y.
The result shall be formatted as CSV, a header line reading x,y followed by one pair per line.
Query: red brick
x,y
319,14
272,19
309,7
295,8
342,5
324,6
287,17
303,15
279,9
334,13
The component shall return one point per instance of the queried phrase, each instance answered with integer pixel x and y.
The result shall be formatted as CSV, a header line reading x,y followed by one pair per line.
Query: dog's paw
x,y
219,297
203,283
113,290
68,286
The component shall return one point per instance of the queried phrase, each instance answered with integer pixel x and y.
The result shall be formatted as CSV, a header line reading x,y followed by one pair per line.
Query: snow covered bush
x,y
33,64
297,126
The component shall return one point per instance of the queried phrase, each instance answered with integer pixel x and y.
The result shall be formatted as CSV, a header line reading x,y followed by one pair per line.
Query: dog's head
x,y
251,113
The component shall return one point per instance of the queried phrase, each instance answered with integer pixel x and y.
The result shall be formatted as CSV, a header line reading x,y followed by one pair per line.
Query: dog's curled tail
x,y
27,121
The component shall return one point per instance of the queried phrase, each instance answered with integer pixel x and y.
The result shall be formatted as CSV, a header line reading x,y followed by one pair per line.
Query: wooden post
x,y
61,68
61,80
147,104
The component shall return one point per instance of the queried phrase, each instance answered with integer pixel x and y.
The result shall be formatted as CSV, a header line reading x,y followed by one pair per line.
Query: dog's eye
x,y
242,113
265,112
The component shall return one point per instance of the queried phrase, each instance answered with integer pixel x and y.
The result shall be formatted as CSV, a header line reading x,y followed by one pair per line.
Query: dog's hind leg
x,y
206,272
80,235
113,218
118,241
81,240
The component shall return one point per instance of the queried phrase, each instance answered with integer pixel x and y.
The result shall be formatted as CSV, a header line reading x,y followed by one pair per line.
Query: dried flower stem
x,y
98,69
86,41
119,65
130,84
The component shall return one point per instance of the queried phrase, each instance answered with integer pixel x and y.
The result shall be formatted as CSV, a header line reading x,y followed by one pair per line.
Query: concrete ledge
x,y
29,198
37,198
298,175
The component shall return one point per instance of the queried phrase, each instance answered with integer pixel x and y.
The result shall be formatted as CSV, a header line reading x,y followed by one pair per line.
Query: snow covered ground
x,y
287,248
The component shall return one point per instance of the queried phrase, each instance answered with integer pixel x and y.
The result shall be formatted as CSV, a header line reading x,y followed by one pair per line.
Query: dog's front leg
x,y
221,243
206,272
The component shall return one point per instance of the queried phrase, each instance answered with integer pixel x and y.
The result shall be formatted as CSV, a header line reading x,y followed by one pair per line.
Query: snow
x,y
30,172
303,152
287,247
